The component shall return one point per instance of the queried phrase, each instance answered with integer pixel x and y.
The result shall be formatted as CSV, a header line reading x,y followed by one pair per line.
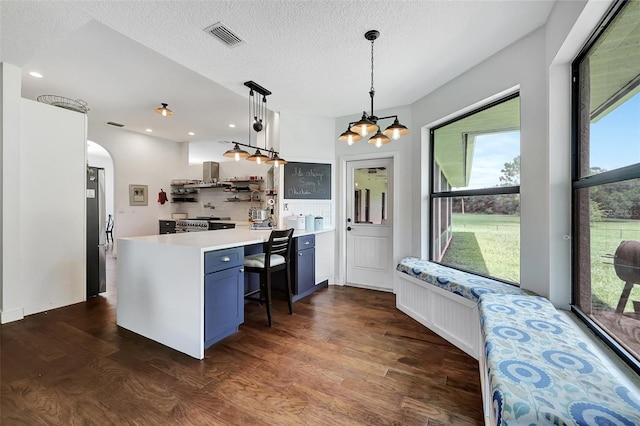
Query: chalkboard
x,y
307,181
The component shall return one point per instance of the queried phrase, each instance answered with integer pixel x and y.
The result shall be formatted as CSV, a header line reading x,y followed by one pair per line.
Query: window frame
x,y
451,194
577,183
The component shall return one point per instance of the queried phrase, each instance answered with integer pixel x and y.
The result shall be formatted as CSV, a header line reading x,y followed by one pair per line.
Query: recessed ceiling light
x,y
232,125
149,130
35,74
191,134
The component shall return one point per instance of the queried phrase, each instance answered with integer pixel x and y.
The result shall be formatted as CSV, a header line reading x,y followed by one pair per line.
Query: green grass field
x,y
490,245
486,244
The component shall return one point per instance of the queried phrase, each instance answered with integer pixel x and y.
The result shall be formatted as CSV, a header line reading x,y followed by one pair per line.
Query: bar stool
x,y
109,230
277,257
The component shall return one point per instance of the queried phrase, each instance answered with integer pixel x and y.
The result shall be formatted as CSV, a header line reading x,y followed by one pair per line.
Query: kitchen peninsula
x,y
162,280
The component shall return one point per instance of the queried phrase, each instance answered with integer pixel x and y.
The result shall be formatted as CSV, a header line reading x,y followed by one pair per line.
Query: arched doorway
x,y
98,157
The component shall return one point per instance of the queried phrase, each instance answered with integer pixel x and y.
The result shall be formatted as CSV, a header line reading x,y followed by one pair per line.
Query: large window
x,y
606,180
475,191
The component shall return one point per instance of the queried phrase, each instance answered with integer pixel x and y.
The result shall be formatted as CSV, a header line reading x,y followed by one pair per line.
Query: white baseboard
x,y
11,315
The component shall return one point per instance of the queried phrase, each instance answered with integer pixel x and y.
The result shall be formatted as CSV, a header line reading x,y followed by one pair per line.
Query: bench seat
x,y
537,369
457,282
445,300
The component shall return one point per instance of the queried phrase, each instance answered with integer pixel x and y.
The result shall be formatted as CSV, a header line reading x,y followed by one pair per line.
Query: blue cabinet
x,y
304,265
303,270
223,294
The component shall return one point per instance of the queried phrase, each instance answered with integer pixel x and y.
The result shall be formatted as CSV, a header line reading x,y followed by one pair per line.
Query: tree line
x,y
494,204
618,200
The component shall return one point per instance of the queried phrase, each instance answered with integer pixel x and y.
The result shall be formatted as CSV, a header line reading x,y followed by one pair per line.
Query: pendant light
x,y
350,137
258,157
396,130
236,153
164,111
379,139
274,159
369,123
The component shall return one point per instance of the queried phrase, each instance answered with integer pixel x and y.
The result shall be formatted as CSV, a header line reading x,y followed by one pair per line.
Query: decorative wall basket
x,y
77,105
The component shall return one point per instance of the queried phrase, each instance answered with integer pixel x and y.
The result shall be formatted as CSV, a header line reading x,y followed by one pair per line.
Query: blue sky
x,y
615,138
615,142
491,152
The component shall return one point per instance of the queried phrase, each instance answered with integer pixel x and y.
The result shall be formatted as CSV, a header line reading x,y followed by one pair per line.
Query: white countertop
x,y
217,239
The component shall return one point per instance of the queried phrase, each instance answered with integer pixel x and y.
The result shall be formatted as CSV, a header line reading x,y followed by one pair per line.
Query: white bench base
x,y
452,317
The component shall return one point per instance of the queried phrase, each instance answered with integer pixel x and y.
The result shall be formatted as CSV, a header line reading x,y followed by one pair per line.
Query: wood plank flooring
x,y
346,356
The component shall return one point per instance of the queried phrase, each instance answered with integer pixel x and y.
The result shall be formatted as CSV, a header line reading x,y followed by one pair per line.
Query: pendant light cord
x,y
372,90
250,114
264,116
372,66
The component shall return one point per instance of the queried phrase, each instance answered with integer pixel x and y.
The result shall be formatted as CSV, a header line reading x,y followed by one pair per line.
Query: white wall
x,y
305,138
141,160
11,186
52,207
43,203
521,64
545,180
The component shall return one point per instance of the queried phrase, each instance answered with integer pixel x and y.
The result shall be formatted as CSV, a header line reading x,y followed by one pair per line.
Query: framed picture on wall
x,y
138,195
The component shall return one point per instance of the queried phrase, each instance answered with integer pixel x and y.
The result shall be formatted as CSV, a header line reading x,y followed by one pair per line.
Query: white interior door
x,y
369,223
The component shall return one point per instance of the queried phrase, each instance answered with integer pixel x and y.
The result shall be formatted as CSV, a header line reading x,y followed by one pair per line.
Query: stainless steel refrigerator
x,y
96,232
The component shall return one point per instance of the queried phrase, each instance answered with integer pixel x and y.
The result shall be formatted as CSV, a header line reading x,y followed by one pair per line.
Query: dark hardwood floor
x,y
346,356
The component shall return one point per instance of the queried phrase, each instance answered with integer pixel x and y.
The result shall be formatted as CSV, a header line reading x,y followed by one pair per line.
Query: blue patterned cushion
x,y
540,370
461,283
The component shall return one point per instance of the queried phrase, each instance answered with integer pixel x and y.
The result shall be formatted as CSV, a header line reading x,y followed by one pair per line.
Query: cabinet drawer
x,y
304,242
223,259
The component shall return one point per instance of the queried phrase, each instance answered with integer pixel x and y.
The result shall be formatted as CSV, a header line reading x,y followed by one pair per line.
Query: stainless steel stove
x,y
203,224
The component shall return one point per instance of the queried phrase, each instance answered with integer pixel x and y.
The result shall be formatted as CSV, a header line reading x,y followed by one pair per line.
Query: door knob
x,y
348,228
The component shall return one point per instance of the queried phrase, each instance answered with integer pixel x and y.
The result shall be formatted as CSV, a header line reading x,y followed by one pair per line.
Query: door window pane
x,y
371,188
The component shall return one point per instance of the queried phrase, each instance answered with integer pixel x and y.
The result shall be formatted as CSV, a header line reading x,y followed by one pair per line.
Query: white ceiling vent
x,y
224,34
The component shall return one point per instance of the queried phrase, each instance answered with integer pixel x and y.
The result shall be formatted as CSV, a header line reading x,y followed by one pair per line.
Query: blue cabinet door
x,y
304,270
223,304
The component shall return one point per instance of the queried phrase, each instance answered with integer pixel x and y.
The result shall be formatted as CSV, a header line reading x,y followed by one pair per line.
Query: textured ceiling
x,y
125,57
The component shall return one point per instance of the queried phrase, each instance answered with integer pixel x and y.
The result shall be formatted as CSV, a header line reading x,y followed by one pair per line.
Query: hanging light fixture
x,y
236,153
258,122
369,123
349,137
164,111
274,159
258,157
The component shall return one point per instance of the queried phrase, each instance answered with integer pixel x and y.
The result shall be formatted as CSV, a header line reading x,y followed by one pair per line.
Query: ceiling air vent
x,y
115,124
224,34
